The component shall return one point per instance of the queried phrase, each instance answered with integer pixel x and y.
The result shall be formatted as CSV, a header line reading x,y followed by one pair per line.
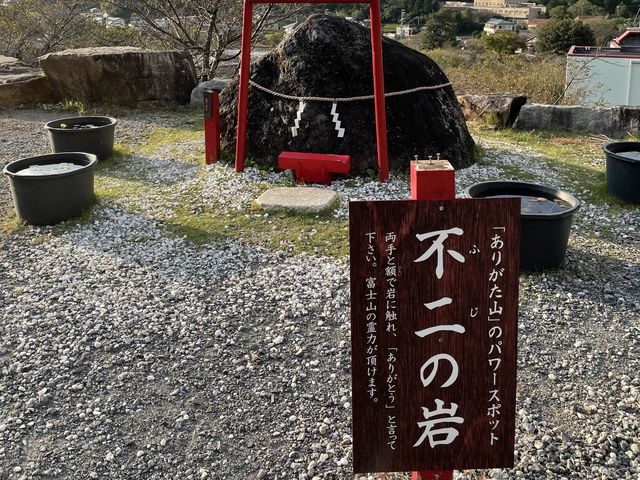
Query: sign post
x,y
433,180
211,110
434,293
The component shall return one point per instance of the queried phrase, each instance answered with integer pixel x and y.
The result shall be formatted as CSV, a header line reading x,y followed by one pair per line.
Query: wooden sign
x,y
434,299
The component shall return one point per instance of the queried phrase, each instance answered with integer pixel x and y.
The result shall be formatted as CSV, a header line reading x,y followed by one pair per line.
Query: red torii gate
x,y
378,80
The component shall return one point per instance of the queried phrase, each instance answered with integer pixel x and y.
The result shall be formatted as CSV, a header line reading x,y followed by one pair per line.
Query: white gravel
x,y
129,353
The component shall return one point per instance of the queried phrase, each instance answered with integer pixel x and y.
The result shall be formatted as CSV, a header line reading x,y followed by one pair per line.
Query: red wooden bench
x,y
314,167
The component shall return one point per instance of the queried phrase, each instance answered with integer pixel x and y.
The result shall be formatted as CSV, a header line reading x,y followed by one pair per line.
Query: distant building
x,y
404,31
514,9
534,23
630,38
605,76
496,25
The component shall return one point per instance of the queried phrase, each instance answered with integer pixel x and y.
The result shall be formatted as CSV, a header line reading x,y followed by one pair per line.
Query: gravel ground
x,y
129,353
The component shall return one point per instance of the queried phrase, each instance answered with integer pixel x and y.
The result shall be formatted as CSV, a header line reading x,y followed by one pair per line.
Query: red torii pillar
x,y
378,80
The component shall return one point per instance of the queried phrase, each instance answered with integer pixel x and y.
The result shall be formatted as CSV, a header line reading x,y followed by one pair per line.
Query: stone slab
x,y
298,199
22,85
615,122
197,93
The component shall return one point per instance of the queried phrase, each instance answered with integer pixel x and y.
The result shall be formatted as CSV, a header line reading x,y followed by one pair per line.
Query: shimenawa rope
x,y
346,99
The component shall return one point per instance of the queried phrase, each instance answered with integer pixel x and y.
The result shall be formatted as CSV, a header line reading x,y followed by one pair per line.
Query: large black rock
x,y
327,56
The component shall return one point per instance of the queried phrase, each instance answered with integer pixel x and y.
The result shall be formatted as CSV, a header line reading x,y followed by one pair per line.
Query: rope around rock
x,y
346,99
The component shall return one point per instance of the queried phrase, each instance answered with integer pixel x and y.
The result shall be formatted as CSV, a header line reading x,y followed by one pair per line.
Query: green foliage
x,y
70,106
503,42
559,12
540,77
626,8
439,33
30,28
273,38
441,28
604,29
560,34
584,8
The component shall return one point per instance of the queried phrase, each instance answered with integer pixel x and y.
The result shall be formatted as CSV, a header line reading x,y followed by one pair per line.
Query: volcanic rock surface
x,y
330,57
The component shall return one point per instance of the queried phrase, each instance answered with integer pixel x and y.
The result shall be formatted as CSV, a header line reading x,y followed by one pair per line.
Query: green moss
x,y
297,233
108,188
172,141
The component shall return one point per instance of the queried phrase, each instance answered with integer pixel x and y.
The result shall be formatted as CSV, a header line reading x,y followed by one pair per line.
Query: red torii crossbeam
x,y
378,80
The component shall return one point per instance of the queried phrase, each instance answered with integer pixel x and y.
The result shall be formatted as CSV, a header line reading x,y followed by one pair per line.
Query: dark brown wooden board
x,y
469,285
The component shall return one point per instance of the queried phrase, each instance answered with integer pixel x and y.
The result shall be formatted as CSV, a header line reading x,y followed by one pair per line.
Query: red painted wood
x,y
378,80
314,167
378,90
433,475
433,181
243,89
212,129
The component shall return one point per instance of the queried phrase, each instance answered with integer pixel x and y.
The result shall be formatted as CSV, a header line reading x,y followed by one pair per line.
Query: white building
x,y
604,76
495,25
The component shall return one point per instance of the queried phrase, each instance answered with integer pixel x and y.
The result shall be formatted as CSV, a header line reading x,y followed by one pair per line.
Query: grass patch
x,y
297,233
172,141
108,188
390,27
10,223
573,156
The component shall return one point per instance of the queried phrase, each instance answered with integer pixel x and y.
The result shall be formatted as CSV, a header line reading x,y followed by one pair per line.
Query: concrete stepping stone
x,y
298,199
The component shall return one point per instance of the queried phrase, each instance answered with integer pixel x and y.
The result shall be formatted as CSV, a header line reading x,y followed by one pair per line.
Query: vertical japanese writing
x,y
391,316
371,313
495,331
443,434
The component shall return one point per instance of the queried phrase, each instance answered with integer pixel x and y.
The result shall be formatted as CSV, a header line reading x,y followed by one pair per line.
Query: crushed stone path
x,y
127,352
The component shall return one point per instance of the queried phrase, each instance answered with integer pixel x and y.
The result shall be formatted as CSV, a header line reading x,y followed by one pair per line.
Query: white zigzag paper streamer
x,y
336,115
294,130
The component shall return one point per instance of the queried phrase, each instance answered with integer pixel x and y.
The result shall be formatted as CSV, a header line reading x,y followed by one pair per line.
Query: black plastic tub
x,y
83,134
49,189
623,170
545,220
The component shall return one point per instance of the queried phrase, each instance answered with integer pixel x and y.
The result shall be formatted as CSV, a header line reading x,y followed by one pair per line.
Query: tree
x,y
439,31
503,42
558,12
604,29
30,28
559,35
584,8
441,28
206,28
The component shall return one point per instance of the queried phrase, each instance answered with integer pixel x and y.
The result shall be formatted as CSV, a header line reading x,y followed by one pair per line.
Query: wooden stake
x,y
432,180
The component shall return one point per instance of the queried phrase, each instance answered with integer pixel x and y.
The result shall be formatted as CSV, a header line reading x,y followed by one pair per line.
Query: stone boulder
x,y
327,56
22,85
197,93
616,122
121,75
498,109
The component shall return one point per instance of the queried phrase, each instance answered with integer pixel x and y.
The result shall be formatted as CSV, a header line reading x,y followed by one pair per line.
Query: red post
x,y
211,126
432,180
243,88
378,90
